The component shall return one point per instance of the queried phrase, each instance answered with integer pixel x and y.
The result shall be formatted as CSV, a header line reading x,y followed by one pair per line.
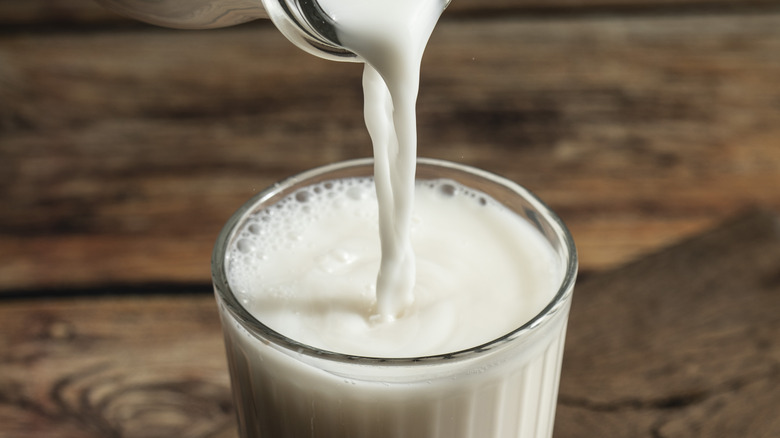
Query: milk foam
x,y
306,268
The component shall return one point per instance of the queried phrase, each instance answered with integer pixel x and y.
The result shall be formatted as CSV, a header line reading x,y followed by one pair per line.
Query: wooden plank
x,y
138,145
134,367
648,129
460,8
54,12
67,13
684,342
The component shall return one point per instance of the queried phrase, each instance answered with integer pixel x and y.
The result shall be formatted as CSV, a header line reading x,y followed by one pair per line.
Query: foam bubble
x,y
245,246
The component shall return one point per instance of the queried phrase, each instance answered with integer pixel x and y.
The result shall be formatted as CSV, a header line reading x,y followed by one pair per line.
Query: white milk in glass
x,y
307,269
358,301
475,354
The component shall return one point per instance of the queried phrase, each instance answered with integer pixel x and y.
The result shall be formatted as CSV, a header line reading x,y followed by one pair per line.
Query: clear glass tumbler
x,y
505,388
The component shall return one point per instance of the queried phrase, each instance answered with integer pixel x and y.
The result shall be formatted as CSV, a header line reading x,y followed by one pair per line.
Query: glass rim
x,y
256,328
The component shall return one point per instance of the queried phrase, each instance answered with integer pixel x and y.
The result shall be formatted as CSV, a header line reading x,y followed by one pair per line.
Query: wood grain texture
x,y
690,345
20,13
123,152
683,343
132,367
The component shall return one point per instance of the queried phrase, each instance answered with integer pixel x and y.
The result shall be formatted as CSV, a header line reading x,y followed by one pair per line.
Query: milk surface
x,y
307,269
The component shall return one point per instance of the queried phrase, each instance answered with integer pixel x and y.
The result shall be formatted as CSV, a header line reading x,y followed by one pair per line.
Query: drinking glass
x,y
504,388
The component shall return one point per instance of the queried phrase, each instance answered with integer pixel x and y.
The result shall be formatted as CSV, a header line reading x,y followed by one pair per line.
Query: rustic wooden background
x,y
125,147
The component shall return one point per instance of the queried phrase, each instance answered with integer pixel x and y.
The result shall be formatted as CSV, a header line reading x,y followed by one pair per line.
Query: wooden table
x,y
647,124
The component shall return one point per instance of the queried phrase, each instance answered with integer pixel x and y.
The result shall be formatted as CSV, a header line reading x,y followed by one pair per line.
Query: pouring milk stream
x,y
413,313
352,274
